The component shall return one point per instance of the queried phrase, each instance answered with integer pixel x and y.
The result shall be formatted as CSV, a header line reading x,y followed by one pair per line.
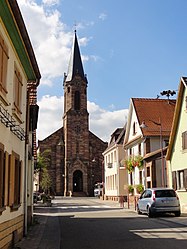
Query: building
x,y
147,134
177,150
19,78
116,178
76,161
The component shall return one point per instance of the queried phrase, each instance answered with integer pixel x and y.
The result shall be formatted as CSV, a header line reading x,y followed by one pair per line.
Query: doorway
x,y
77,181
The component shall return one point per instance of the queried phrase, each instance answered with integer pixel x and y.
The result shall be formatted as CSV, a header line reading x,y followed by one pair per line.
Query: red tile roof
x,y
156,114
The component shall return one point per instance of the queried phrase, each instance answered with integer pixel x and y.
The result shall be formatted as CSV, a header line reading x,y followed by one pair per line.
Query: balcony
x,y
109,165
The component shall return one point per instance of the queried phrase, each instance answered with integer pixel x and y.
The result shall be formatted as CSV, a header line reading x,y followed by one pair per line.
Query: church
x,y
75,162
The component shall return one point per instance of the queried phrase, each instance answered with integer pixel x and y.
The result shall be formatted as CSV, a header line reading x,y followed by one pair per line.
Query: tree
x,y
43,160
45,181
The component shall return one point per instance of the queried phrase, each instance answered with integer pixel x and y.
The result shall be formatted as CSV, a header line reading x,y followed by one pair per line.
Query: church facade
x,y
75,161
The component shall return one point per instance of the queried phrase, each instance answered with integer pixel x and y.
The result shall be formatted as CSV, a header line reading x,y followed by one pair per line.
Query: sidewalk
x,y
34,235
36,231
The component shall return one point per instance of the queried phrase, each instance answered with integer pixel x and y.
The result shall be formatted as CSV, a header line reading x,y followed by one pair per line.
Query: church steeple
x,y
75,64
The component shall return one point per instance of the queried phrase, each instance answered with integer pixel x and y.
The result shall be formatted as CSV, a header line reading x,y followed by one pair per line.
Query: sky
x,y
129,48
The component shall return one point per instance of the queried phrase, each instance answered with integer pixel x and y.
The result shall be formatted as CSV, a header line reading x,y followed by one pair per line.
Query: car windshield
x,y
165,193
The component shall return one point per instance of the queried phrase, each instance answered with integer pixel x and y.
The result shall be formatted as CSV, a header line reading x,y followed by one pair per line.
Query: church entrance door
x,y
77,181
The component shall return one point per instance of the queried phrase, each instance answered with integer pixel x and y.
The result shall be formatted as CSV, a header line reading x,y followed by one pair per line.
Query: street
x,y
86,223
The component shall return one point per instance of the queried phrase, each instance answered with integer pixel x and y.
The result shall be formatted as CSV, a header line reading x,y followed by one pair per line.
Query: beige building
x,y
19,78
177,151
116,181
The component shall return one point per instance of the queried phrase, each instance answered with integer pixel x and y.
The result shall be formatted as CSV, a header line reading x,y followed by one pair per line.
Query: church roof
x,y
75,63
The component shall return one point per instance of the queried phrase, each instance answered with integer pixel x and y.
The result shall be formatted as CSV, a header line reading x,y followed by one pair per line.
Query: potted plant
x,y
129,164
137,161
131,189
139,188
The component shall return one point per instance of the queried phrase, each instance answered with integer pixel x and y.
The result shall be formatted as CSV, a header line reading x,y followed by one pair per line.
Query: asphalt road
x,y
89,223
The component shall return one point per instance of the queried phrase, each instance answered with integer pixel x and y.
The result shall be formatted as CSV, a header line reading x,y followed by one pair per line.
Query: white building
x,y
19,78
115,173
147,134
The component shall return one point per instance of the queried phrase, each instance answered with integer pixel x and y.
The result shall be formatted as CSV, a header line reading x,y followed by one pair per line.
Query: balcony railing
x,y
109,165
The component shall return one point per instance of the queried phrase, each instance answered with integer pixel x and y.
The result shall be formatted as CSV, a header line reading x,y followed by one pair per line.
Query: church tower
x,y
75,163
76,126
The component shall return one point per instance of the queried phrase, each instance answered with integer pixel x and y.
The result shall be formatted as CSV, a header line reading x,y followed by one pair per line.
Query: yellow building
x,y
19,78
177,150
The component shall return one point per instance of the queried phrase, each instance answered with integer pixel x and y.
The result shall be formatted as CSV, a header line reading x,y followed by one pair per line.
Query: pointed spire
x,y
75,63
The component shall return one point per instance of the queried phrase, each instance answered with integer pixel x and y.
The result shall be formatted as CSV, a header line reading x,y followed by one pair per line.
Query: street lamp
x,y
143,125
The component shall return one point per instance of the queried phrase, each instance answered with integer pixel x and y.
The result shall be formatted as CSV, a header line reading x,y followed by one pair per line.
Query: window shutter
x,y
184,140
5,65
147,145
1,179
1,59
6,177
11,179
185,179
174,180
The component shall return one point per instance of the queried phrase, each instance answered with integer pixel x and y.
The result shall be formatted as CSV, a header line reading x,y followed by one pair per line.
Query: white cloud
x,y
102,122
50,115
52,43
50,39
102,16
50,2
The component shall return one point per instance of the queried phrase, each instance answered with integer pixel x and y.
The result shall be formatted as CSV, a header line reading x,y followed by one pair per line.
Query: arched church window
x,y
77,100
68,89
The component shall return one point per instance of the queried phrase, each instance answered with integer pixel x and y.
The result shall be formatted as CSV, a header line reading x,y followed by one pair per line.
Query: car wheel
x,y
177,214
149,213
138,210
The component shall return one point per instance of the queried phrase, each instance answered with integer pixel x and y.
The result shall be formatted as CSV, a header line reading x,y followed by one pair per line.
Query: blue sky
x,y
130,48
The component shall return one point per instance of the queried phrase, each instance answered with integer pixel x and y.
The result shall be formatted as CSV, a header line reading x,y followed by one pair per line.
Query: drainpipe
x,y
26,164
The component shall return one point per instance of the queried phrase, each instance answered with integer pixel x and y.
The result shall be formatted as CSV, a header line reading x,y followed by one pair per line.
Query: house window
x,y
17,90
140,177
3,65
114,156
147,145
77,101
184,140
180,179
15,181
148,172
134,128
130,151
131,179
166,142
139,149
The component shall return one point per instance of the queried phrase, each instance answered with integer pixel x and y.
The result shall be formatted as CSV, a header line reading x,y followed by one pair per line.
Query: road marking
x,y
164,233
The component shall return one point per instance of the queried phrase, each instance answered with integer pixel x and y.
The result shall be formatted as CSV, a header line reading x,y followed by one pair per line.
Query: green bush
x,y
139,188
131,189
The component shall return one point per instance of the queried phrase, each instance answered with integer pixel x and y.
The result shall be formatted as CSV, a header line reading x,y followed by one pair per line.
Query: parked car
x,y
158,200
98,188
36,197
